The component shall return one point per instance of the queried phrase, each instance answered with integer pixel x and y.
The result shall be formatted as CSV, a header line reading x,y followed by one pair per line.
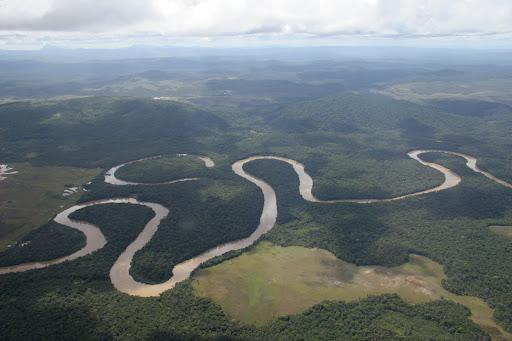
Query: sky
x,y
31,24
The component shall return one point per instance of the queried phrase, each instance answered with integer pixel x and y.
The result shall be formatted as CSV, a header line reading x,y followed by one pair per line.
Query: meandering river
x,y
110,177
120,271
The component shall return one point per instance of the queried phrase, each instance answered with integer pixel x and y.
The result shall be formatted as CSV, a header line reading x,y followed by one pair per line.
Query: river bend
x,y
120,271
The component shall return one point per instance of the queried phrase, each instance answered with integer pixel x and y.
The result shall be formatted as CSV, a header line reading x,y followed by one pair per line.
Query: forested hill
x,y
415,125
100,131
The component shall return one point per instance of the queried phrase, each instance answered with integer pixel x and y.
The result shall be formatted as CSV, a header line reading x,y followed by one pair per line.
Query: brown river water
x,y
120,271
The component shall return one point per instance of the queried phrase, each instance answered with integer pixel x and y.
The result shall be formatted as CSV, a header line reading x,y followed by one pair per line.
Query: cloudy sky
x,y
113,23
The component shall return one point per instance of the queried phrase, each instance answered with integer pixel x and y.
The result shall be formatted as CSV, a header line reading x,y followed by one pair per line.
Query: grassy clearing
x,y
31,197
271,281
505,231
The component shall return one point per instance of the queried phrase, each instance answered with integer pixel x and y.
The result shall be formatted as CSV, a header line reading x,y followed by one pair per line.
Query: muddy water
x,y
471,163
110,175
120,272
183,270
95,239
451,179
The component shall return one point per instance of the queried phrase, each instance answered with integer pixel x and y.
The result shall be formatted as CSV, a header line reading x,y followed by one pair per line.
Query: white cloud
x,y
282,19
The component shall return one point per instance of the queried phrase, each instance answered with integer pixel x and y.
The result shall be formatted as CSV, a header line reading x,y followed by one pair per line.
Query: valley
x,y
412,286
189,199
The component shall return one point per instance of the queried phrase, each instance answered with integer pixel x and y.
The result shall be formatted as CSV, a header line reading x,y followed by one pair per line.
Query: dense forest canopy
x,y
350,122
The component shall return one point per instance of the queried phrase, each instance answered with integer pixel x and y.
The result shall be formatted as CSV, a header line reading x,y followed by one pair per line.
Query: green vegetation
x,y
385,234
47,242
467,89
354,145
163,169
358,176
379,318
195,225
203,214
109,130
77,298
34,195
271,281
